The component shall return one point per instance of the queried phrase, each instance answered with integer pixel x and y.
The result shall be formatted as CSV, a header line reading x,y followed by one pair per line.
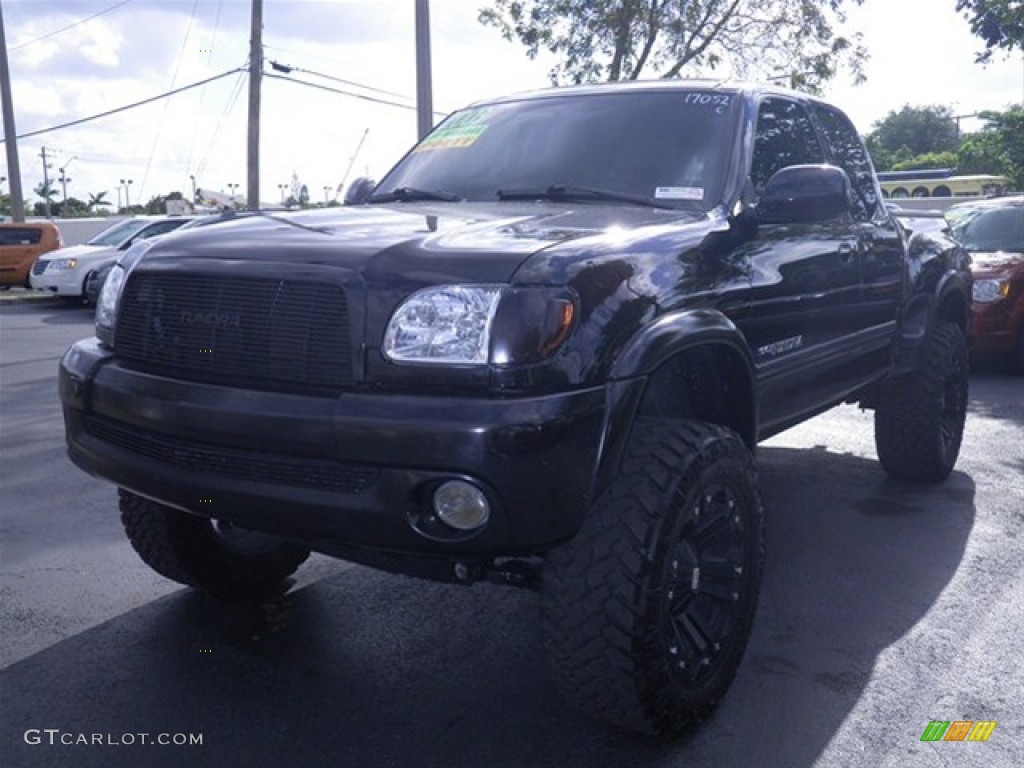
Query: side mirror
x,y
801,194
126,244
359,191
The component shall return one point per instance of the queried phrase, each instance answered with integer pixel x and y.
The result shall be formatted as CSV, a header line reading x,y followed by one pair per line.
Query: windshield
x,y
987,230
668,147
117,234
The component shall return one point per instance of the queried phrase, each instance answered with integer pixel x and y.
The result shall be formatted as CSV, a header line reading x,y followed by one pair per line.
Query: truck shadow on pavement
x,y
364,668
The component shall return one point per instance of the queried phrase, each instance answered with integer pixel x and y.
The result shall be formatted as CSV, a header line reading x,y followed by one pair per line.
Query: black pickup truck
x,y
540,352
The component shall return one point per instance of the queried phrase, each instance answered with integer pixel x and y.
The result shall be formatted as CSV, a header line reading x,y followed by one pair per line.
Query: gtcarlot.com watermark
x,y
56,737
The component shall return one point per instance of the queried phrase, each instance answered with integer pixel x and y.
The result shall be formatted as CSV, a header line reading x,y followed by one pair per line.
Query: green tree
x,y
792,40
74,208
927,160
158,203
913,131
998,148
46,191
1000,23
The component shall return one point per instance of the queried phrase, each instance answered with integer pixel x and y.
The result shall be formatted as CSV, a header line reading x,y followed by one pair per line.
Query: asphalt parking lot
x,y
884,607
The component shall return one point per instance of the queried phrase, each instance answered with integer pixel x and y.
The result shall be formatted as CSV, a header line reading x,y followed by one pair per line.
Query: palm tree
x,y
97,200
46,191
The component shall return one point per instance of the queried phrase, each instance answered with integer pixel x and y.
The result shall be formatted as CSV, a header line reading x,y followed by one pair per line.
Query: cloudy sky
x,y
66,65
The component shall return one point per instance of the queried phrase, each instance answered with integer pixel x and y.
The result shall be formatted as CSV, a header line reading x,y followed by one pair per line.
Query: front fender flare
x,y
676,332
670,335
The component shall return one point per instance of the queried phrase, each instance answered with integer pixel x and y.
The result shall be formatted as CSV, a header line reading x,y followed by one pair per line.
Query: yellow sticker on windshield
x,y
460,131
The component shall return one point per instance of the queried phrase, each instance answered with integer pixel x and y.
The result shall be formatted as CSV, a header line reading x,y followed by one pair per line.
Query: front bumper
x,y
353,472
995,327
61,282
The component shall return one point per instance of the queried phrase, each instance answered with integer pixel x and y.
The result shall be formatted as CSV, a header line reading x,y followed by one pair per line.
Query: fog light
x,y
461,505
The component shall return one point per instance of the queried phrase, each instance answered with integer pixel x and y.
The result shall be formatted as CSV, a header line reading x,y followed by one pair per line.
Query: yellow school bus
x,y
939,182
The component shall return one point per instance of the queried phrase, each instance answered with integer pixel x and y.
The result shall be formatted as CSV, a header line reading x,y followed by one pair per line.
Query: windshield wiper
x,y
562,192
412,194
272,217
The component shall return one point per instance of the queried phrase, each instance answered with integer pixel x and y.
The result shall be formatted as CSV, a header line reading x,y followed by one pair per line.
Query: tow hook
x,y
506,571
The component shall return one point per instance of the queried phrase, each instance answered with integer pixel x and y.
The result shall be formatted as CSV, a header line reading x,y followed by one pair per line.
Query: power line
x,y
287,69
127,106
114,7
174,81
364,97
212,145
202,94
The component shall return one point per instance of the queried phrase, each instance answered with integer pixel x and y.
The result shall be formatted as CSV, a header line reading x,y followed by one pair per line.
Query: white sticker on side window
x,y
679,193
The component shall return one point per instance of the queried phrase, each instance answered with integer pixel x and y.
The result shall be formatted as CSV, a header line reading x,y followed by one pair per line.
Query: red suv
x,y
993,231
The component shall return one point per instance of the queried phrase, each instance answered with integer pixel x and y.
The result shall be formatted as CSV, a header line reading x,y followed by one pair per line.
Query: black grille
x,y
197,458
40,266
251,333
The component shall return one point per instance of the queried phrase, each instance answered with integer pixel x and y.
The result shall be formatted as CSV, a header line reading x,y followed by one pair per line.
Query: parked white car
x,y
65,272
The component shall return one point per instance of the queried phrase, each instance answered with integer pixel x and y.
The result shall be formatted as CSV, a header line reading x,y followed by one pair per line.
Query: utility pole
x,y
46,183
424,89
64,180
255,73
10,133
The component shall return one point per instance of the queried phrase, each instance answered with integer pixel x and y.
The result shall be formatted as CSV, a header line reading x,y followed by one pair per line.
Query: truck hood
x,y
420,243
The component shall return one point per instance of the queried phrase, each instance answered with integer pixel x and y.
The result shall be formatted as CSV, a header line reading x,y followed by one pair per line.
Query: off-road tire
x,y
191,551
648,609
919,418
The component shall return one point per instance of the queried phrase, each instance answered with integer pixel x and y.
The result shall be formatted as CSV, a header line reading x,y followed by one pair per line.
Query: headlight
x,y
106,305
480,324
988,291
63,264
448,324
110,294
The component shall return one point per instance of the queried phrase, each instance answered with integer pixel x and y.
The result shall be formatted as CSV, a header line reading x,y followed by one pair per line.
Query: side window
x,y
785,136
158,229
21,236
850,155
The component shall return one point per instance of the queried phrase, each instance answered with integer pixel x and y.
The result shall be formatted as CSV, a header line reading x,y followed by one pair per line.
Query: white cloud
x,y
100,43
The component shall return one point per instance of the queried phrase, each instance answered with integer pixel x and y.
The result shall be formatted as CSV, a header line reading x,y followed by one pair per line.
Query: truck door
x,y
803,315
879,241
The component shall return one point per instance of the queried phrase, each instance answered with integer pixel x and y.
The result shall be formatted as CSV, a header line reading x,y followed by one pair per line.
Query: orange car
x,y
21,245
